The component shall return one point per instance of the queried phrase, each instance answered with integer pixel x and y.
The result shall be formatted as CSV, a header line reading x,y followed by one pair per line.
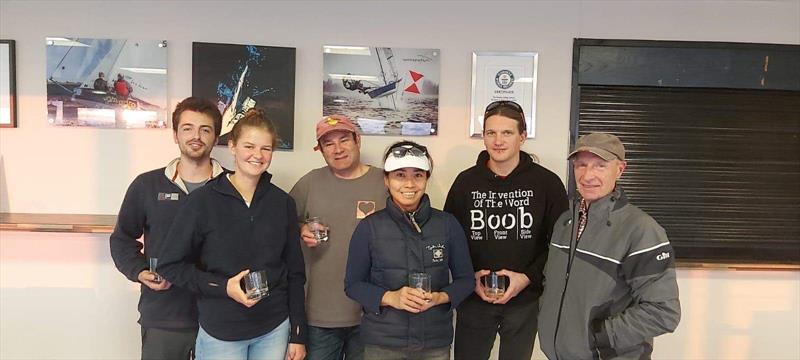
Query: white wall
x,y
62,298
72,170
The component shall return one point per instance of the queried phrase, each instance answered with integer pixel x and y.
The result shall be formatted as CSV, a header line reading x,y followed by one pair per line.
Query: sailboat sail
x,y
144,66
107,52
389,55
390,84
73,68
380,64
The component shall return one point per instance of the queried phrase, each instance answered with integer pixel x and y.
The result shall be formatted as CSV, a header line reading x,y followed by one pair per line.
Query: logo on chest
x,y
168,196
364,208
437,252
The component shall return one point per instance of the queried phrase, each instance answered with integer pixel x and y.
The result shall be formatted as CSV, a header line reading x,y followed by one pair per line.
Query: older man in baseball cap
x,y
340,195
618,262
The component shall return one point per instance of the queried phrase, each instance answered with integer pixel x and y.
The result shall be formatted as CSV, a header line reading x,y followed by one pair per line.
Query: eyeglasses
x,y
401,151
504,103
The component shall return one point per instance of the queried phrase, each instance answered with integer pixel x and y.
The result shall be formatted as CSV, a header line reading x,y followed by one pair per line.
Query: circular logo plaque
x,y
504,79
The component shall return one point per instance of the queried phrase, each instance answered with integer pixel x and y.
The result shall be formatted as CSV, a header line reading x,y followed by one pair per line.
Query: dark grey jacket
x,y
150,206
609,296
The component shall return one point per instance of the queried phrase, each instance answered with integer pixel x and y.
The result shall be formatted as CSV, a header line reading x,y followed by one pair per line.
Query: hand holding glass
x,y
420,281
153,267
255,285
318,228
494,285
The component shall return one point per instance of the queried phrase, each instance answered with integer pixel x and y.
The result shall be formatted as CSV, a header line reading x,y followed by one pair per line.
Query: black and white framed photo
x,y
509,76
8,90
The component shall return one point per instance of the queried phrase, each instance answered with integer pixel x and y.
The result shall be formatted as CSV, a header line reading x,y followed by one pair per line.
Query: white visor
x,y
418,162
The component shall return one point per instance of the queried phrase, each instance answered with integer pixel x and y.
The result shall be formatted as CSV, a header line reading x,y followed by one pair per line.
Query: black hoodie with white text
x,y
508,220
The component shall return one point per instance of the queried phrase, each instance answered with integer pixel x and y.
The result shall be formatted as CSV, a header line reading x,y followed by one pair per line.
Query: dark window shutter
x,y
719,169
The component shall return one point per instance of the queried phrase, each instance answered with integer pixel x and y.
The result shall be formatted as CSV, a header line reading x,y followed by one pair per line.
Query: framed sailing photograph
x,y
239,77
8,86
106,83
497,76
386,91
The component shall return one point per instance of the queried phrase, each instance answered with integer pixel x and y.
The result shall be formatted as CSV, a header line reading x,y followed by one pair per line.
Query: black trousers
x,y
162,344
374,352
479,322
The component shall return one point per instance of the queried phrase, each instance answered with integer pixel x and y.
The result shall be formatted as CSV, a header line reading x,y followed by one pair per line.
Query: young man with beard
x,y
168,315
341,194
507,205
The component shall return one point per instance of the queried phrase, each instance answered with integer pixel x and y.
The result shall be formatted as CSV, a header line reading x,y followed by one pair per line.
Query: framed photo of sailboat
x,y
509,76
106,83
239,77
8,91
386,91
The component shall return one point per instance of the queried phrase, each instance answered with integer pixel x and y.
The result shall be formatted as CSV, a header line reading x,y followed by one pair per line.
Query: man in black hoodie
x,y
507,205
168,315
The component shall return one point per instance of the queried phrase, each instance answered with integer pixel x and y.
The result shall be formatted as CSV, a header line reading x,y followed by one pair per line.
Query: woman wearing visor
x,y
405,319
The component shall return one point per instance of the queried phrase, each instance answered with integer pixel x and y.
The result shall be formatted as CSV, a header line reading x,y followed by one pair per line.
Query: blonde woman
x,y
241,222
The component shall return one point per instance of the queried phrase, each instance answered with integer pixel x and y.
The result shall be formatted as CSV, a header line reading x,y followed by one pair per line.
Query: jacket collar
x,y
604,206
525,163
421,216
171,172
224,186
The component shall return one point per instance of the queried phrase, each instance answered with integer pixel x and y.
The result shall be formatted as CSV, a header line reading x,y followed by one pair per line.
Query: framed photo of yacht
x,y
497,76
385,91
8,90
106,83
240,77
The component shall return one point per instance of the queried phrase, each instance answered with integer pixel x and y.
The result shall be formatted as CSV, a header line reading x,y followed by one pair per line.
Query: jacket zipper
x,y
410,216
570,257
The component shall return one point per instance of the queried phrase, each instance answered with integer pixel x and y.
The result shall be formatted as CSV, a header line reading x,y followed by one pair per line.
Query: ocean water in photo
x,y
409,108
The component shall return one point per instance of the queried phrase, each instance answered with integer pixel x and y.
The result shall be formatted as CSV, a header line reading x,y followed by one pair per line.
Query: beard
x,y
199,154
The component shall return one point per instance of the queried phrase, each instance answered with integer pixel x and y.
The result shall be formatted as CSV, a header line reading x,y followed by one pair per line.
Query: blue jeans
x,y
334,343
270,346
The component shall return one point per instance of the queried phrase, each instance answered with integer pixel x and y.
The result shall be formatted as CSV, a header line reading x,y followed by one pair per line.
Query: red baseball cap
x,y
334,123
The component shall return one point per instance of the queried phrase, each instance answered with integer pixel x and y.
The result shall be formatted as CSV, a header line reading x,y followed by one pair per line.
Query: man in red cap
x,y
340,195
618,263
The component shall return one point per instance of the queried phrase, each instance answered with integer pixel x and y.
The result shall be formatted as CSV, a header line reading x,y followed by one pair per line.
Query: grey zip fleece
x,y
609,295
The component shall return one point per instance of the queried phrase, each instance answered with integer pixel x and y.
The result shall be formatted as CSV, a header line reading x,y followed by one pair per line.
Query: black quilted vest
x,y
397,249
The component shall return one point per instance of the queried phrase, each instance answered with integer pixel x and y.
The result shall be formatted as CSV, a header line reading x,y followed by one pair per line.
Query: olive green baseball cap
x,y
604,145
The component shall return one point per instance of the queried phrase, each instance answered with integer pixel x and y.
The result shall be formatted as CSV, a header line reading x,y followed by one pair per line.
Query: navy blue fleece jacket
x,y
226,236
